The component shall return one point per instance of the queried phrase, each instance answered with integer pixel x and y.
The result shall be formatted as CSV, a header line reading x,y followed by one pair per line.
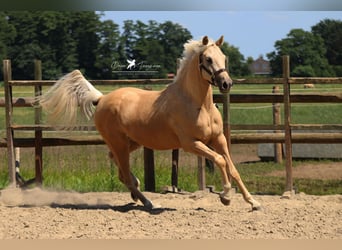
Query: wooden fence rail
x,y
284,131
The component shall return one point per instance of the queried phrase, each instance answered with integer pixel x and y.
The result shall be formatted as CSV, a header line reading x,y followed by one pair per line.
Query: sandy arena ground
x,y
42,214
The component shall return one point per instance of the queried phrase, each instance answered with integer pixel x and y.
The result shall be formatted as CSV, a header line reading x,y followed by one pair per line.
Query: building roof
x,y
260,67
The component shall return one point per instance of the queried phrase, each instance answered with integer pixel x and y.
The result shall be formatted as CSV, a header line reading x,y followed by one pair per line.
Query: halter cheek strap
x,y
213,74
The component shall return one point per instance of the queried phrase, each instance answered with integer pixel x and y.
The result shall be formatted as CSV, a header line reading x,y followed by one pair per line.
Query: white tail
x,y
61,101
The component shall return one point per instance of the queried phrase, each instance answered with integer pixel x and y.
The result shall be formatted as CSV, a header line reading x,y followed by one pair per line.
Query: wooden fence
x,y
277,133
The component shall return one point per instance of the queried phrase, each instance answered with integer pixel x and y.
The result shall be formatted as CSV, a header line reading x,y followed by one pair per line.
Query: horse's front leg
x,y
220,146
199,148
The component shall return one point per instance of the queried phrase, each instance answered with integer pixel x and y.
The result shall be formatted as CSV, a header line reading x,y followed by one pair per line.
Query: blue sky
x,y
253,32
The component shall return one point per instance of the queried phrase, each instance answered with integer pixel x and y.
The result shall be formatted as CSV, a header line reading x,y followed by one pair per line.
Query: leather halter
x,y
214,74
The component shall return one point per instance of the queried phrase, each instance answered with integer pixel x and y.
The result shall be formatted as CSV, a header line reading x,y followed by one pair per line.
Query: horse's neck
x,y
194,86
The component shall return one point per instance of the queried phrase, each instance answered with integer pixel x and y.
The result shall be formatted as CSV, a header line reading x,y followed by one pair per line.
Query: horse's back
x,y
137,114
125,105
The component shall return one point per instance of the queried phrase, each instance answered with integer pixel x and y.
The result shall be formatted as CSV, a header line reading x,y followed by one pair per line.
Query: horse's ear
x,y
219,42
205,40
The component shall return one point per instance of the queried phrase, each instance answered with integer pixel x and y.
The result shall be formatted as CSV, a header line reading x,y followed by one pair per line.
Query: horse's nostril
x,y
225,85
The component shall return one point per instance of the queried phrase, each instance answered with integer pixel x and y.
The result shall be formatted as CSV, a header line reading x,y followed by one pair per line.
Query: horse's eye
x,y
209,60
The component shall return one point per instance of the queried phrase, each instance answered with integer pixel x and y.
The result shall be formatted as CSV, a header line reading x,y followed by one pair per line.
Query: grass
x,y
261,113
87,168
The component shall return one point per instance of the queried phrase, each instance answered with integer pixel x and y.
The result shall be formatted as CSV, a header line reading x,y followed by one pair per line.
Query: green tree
x,y
40,35
140,46
108,50
172,38
24,48
62,40
237,65
306,51
153,44
331,33
128,39
58,46
7,34
156,49
85,27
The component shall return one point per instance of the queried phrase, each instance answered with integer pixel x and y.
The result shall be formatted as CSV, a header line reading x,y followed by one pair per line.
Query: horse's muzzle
x,y
224,83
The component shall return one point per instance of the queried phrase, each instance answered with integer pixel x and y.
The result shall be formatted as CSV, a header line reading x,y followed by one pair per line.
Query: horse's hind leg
x,y
120,154
135,180
136,183
133,146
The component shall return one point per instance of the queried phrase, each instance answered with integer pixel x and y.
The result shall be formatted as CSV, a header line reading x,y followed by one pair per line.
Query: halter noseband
x,y
214,74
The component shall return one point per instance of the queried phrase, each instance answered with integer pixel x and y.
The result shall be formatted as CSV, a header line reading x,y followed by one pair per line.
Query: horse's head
x,y
212,63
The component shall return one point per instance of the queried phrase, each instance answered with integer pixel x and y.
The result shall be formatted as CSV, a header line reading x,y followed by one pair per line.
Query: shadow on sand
x,y
122,208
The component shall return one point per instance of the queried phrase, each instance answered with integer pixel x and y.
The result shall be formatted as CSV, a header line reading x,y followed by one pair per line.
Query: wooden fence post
x,y
278,151
174,174
38,132
201,173
7,70
175,152
287,123
149,176
226,121
226,112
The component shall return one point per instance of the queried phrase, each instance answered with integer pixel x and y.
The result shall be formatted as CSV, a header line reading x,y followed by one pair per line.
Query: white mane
x,y
192,47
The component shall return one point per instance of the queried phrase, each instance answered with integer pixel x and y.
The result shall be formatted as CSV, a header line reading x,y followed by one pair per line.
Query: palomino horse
x,y
182,115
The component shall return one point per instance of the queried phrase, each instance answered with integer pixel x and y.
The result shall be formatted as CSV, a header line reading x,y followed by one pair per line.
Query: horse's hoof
x,y
148,205
134,197
225,201
256,206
